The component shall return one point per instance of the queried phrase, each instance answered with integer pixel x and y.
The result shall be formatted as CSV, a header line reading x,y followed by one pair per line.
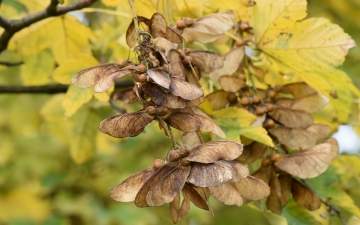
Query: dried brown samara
x,y
207,165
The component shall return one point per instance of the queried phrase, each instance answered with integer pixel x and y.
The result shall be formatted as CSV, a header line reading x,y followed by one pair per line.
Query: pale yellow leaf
x,y
82,133
33,39
258,134
242,116
104,96
76,97
306,48
37,69
21,202
70,67
69,37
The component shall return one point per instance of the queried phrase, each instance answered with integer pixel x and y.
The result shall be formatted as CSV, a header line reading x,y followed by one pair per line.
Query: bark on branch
x,y
50,89
13,26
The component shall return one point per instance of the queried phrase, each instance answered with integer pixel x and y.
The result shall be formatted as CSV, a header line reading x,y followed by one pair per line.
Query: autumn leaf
x,y
75,97
38,68
285,38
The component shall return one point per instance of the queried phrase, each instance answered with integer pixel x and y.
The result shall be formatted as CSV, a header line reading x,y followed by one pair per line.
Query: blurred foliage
x,y
57,168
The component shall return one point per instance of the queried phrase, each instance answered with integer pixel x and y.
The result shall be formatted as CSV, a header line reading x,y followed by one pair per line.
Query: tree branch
x,y
51,88
13,26
4,23
10,63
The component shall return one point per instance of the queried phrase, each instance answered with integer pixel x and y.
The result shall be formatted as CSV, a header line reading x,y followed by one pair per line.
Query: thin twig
x,y
49,89
13,26
10,63
331,208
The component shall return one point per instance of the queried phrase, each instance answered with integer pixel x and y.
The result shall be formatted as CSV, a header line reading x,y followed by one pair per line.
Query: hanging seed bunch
x,y
166,83
286,113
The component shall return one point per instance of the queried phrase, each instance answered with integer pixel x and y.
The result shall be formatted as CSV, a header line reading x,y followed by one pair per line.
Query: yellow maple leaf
x,y
37,69
308,47
76,97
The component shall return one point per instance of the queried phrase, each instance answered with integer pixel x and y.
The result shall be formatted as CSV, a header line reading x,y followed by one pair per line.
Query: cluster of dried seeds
x,y
166,83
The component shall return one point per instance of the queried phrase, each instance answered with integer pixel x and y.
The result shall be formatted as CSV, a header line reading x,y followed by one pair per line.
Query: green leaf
x,y
75,97
295,214
37,69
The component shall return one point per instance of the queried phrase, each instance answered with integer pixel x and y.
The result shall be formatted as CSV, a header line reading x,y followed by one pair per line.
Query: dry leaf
x,y
195,197
310,103
231,63
162,98
301,138
102,77
128,189
141,197
168,186
176,66
126,95
304,196
226,194
159,77
273,202
218,99
208,28
292,118
192,139
193,121
285,184
214,151
231,83
131,34
311,162
158,28
252,188
185,90
217,173
185,206
252,152
298,90
175,209
125,125
206,60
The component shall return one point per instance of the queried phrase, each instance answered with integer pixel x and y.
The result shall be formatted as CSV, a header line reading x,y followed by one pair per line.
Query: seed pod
x,y
143,78
141,68
232,97
256,99
260,111
239,42
269,107
189,21
265,162
269,123
245,101
122,63
180,24
158,163
272,94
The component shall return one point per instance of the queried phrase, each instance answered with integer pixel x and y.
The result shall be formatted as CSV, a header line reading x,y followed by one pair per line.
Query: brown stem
x,y
49,89
13,26
10,63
